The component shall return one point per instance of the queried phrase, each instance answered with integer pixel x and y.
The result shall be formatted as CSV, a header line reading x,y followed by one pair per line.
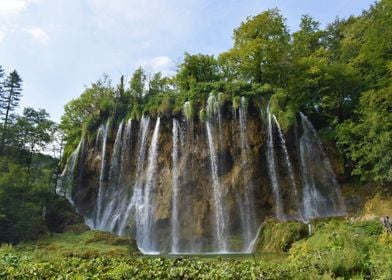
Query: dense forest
x,y
30,149
340,76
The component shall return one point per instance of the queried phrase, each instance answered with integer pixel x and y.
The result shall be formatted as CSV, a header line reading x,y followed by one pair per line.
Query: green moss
x,y
87,244
221,98
188,110
283,110
203,115
236,102
276,236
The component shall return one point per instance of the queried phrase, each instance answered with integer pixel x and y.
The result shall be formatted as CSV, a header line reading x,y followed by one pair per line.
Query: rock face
x,y
183,186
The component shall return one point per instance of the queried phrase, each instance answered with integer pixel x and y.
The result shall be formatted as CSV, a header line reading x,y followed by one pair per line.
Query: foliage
x,y
10,94
20,204
343,249
33,131
284,111
196,69
26,176
368,138
337,248
87,112
260,52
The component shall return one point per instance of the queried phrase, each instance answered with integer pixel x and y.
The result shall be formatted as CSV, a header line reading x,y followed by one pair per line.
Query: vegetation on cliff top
x,y
339,76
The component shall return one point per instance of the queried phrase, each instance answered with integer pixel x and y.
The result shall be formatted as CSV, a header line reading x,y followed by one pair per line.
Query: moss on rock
x,y
277,236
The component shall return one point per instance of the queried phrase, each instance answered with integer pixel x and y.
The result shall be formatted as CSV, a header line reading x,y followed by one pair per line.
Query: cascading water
x,y
287,157
67,177
321,192
272,168
175,174
101,190
135,202
247,206
220,219
219,214
288,165
145,229
110,200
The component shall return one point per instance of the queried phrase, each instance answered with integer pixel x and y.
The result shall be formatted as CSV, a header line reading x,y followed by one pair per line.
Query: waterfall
x,y
247,208
100,198
68,175
110,201
175,175
272,168
135,202
126,144
219,215
210,199
288,163
287,157
321,192
145,228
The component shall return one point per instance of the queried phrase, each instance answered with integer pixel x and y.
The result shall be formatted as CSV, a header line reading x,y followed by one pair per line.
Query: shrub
x,y
335,248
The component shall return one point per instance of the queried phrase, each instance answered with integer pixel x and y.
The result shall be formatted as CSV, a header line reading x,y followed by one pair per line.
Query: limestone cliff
x,y
211,189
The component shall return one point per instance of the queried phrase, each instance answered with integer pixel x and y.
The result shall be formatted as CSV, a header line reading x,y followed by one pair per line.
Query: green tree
x,y
158,84
376,49
261,50
34,132
367,139
137,83
9,100
367,43
2,72
88,111
307,39
196,68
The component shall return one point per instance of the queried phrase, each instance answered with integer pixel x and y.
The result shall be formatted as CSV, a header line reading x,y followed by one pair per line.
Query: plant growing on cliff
x,y
203,115
188,110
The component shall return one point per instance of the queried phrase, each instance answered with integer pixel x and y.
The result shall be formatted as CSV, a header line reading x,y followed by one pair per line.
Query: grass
x,y
338,248
88,244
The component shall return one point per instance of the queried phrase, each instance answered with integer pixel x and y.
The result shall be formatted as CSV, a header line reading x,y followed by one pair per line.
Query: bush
x,y
336,248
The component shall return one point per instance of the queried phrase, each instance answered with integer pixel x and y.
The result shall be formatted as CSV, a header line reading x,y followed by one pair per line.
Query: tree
x,y
35,131
308,38
88,111
367,138
196,68
261,50
376,48
1,79
156,84
137,84
9,100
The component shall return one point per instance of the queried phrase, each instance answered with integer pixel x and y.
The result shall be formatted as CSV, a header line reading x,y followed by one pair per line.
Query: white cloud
x,y
10,12
11,8
158,64
38,35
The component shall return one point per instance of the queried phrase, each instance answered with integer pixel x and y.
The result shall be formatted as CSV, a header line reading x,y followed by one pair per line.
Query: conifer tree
x,y
9,100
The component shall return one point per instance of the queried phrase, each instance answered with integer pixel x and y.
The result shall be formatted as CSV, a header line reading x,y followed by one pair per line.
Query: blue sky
x,y
59,46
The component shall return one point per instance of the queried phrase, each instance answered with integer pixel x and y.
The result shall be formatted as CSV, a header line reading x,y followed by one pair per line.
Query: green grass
x,y
337,249
88,244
